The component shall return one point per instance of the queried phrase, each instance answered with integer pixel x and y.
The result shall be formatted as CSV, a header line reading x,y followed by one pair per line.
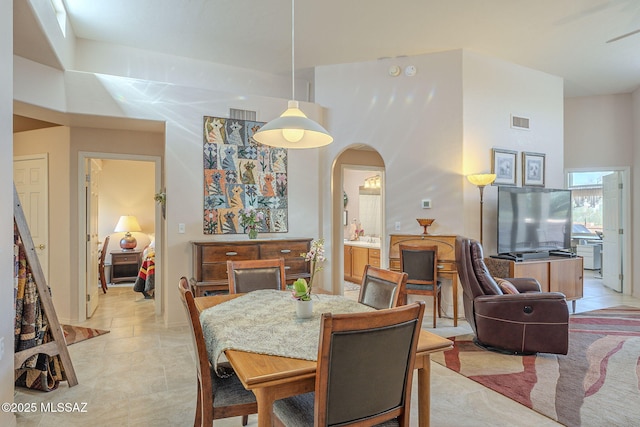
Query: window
x,y
586,191
61,15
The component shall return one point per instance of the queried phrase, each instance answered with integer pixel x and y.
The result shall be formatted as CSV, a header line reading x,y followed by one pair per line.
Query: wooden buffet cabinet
x,y
356,258
210,259
446,258
555,274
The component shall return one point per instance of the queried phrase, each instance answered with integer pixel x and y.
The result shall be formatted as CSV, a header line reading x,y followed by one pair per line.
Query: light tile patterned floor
x,y
143,374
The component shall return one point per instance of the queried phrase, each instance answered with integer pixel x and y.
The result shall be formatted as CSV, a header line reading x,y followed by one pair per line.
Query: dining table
x,y
286,371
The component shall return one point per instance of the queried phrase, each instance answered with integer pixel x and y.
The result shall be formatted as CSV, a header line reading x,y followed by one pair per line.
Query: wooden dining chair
x,y
251,275
421,265
217,397
381,288
103,254
364,373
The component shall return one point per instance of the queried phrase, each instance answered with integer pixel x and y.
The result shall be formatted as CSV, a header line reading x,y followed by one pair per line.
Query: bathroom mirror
x,y
370,201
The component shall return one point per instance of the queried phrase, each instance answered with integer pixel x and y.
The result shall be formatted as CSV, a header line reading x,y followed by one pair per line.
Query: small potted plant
x,y
161,198
301,288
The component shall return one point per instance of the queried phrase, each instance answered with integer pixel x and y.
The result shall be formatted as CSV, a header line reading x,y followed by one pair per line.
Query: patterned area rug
x,y
596,384
74,334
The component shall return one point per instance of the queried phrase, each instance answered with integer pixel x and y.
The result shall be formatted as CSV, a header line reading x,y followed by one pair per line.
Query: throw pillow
x,y
506,286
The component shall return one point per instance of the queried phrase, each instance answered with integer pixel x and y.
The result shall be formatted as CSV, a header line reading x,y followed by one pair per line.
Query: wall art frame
x,y
504,165
533,169
240,173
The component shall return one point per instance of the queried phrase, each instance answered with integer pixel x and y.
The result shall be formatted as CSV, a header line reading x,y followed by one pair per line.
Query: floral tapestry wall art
x,y
240,173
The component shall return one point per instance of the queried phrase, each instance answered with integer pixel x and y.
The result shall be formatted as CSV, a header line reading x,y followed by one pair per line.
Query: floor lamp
x,y
481,180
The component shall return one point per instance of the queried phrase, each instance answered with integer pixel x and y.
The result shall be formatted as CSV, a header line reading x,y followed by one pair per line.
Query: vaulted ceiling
x,y
567,38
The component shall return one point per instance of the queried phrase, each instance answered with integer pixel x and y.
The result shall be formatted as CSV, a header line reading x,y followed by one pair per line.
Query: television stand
x,y
554,273
522,256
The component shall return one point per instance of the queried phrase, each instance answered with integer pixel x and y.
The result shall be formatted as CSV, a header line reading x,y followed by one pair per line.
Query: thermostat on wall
x,y
426,204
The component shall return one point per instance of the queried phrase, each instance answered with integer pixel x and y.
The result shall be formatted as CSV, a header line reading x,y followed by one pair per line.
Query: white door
x,y
612,239
31,177
93,245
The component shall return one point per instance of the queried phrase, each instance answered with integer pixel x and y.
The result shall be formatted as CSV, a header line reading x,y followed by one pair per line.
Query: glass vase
x,y
253,234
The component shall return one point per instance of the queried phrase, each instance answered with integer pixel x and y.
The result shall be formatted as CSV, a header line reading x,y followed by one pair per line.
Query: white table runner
x,y
265,322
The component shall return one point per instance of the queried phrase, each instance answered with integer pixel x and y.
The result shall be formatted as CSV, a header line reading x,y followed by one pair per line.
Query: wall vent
x,y
235,113
520,122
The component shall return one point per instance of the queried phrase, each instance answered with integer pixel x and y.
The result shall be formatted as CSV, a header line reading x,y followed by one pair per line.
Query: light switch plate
x,y
397,225
181,228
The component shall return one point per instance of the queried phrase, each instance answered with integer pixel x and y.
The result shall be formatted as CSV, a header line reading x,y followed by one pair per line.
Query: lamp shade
x,y
127,223
481,179
293,130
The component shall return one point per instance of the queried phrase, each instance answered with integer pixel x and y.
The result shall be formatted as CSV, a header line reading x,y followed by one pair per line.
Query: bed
x,y
145,282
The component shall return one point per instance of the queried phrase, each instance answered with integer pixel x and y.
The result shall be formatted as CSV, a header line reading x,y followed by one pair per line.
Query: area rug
x,y
596,384
74,334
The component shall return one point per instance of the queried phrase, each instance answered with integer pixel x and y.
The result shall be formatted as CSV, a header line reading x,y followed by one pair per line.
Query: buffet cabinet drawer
x,y
284,250
446,266
229,252
210,260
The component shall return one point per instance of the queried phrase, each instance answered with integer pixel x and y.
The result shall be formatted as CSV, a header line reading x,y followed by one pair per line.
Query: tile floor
x,y
143,374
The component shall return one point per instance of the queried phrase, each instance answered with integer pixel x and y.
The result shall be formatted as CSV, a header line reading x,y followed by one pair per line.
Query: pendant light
x,y
293,129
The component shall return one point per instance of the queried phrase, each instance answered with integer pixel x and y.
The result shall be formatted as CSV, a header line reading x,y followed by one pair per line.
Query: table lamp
x,y
127,224
481,180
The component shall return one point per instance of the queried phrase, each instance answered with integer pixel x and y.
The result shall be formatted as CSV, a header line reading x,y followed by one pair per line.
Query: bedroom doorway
x,y
127,187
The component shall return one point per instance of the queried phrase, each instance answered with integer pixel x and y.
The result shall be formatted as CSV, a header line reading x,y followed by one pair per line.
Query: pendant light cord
x,y
293,52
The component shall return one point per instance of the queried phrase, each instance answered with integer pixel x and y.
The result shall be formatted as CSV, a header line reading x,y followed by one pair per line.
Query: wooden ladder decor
x,y
58,346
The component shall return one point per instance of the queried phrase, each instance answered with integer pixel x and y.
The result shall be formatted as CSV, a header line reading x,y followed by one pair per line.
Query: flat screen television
x,y
533,220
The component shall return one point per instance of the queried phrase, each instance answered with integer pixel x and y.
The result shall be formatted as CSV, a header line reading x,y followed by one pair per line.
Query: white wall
x,y
602,132
493,90
594,122
7,297
434,128
414,123
635,227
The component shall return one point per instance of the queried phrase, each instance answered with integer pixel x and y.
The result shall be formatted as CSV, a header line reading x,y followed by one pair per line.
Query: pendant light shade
x,y
293,130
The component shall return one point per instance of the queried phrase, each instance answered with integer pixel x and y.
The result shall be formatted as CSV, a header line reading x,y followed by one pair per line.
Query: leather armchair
x,y
514,316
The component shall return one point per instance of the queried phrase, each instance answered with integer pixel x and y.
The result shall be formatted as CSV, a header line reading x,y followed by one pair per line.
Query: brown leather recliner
x,y
521,320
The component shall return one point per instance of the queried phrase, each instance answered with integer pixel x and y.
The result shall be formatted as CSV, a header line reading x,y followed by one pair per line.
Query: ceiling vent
x,y
520,123
237,114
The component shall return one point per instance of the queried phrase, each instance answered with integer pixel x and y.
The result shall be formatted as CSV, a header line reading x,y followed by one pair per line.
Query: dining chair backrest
x,y
365,365
235,400
381,288
420,263
205,389
250,275
101,270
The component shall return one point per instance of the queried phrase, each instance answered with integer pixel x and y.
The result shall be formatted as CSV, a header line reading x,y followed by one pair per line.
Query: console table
x,y
446,258
210,259
555,274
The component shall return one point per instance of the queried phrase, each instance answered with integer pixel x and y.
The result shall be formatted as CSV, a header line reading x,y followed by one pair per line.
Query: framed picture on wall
x,y
533,169
503,164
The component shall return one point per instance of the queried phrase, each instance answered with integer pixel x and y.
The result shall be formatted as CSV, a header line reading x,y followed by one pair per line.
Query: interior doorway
x,y
601,216
124,195
357,166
